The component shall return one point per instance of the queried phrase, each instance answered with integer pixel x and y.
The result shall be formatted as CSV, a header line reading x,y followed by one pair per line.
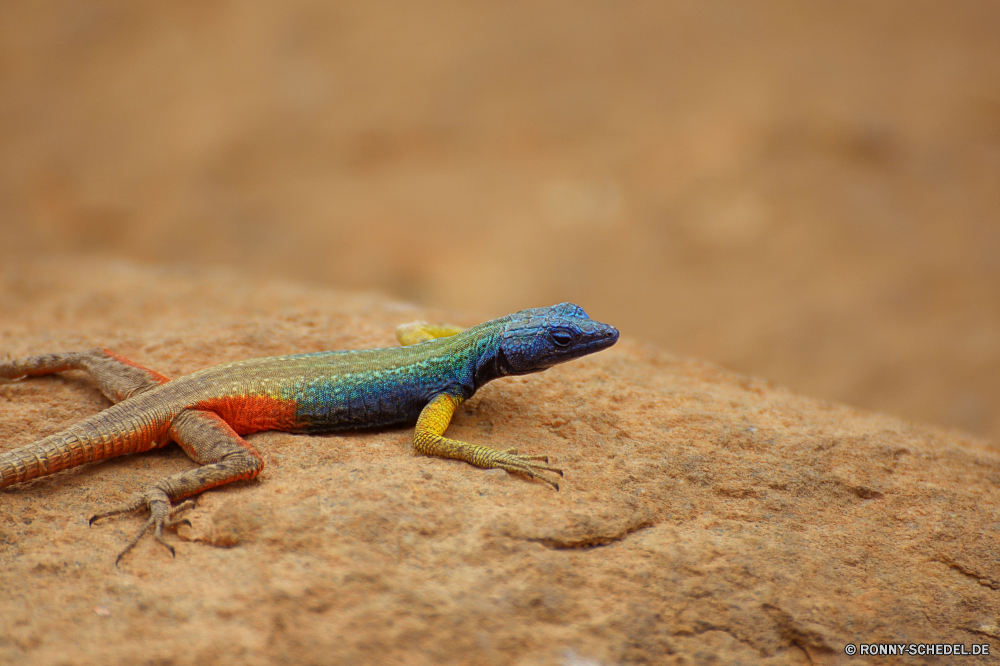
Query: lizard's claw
x,y
510,460
160,515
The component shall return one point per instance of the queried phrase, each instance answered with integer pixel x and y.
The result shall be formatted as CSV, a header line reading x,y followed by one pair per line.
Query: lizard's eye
x,y
562,337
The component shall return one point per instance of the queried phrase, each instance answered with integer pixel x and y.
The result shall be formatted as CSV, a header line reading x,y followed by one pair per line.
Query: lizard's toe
x,y
513,451
160,516
526,464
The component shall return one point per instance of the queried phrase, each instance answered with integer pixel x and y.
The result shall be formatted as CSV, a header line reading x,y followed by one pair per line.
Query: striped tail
x,y
128,427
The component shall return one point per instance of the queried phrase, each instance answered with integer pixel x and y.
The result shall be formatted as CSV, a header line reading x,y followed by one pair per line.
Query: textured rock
x,y
704,515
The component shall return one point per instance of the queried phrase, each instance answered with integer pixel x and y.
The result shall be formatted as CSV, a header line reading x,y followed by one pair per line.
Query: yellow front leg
x,y
421,331
429,440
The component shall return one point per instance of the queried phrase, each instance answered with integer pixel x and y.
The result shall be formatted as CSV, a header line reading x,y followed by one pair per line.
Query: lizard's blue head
x,y
533,340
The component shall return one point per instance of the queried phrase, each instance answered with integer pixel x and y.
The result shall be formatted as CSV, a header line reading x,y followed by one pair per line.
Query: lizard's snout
x,y
603,335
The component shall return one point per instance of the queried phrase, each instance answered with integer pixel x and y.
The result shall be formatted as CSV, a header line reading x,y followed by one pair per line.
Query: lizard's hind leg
x,y
117,377
208,440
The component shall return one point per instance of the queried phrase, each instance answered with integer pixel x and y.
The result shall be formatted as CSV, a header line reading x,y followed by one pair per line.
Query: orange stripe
x,y
246,414
154,375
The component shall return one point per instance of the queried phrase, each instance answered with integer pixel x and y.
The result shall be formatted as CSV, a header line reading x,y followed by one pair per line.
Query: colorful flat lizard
x,y
206,412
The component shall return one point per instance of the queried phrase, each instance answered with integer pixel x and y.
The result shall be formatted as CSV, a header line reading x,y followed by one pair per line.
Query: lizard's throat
x,y
492,367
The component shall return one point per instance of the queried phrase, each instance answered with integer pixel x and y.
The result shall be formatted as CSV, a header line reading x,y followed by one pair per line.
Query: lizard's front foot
x,y
161,515
512,461
487,458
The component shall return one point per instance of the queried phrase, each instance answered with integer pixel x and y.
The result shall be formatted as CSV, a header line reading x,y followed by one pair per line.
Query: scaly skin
x,y
206,412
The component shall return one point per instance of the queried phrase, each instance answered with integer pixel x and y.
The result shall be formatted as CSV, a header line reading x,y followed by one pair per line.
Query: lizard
x,y
208,412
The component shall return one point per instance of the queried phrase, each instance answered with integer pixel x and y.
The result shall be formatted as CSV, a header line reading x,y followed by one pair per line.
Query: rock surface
x,y
705,517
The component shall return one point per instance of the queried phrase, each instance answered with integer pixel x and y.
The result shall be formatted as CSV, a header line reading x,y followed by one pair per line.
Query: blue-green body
x,y
381,387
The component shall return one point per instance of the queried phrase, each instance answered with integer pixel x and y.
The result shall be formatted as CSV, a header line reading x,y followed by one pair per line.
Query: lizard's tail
x,y
127,427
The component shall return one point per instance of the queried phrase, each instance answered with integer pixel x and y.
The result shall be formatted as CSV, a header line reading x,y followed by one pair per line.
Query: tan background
x,y
807,192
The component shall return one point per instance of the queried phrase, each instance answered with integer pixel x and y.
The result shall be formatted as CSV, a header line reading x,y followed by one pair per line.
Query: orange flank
x,y
253,413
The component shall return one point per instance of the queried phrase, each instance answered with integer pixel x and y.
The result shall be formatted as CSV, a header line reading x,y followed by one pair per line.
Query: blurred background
x,y
808,192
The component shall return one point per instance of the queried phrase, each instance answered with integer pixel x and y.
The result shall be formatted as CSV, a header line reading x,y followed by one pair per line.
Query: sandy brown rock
x,y
704,515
